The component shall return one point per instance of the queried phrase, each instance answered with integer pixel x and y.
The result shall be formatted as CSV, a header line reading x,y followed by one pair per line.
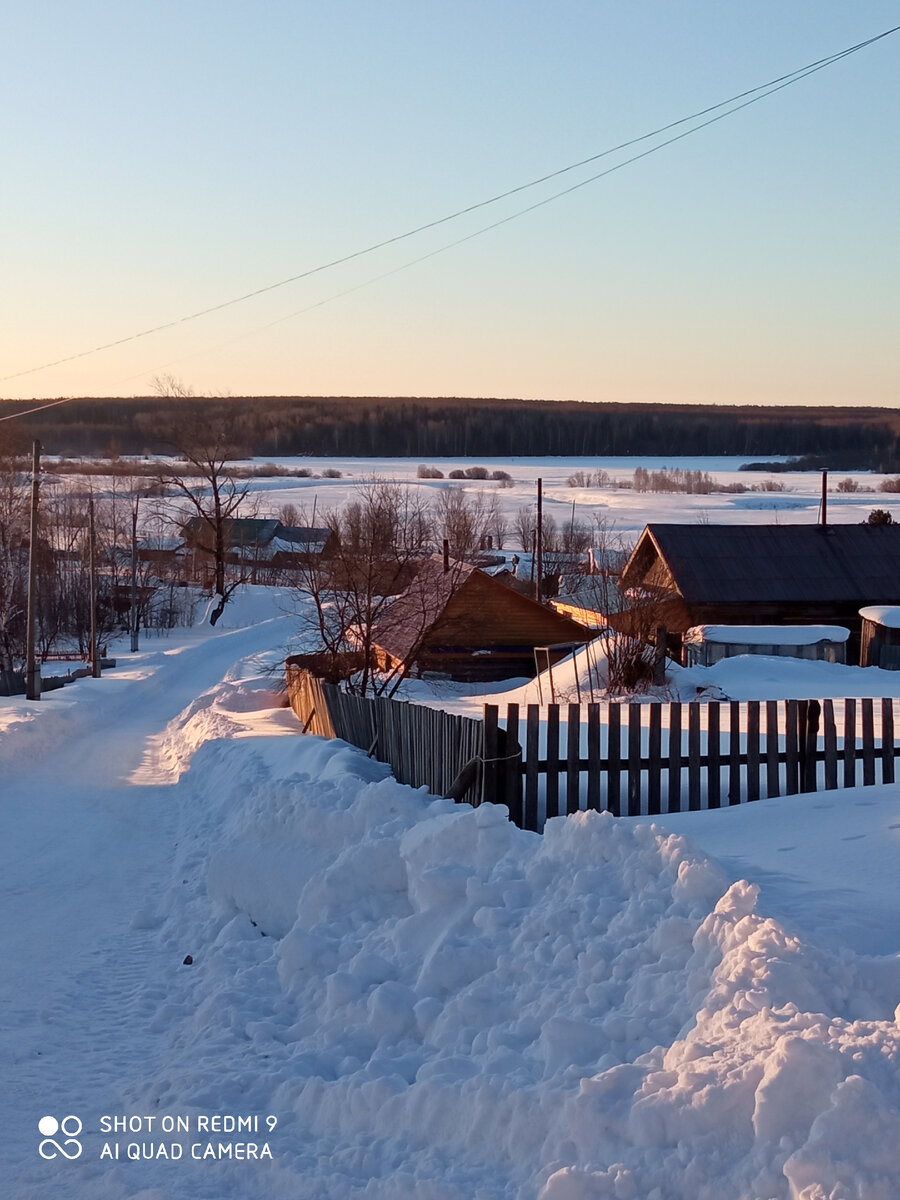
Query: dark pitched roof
x,y
239,531
773,563
303,535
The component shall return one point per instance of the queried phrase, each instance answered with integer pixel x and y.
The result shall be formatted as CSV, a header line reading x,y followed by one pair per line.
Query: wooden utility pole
x,y
92,575
539,545
135,618
32,669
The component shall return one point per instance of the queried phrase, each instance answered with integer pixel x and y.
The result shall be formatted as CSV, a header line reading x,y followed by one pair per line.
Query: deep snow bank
x,y
446,1006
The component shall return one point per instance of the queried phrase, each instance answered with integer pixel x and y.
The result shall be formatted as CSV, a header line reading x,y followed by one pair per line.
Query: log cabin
x,y
461,623
762,575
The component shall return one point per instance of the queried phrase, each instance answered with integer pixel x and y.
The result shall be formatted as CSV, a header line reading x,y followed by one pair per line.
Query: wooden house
x,y
464,624
762,575
260,542
295,546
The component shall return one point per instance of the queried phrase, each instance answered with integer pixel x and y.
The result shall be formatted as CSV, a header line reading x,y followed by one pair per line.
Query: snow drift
x,y
441,1005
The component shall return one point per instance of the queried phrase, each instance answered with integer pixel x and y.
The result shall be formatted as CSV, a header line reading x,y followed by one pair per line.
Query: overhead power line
x,y
722,109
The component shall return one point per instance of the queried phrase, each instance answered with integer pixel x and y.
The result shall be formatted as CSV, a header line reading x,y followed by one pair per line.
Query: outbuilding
x,y
705,645
880,640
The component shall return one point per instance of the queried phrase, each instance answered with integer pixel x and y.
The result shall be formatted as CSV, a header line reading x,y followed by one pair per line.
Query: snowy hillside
x,y
424,1001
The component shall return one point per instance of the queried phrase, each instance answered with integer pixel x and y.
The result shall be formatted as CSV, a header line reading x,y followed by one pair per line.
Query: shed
x,y
880,641
708,644
464,624
765,574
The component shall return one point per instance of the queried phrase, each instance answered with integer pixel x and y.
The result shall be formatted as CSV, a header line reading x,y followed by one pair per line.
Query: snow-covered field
x,y
623,510
406,998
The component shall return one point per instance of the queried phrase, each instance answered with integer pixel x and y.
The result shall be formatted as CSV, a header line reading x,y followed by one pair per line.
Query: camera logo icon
x,y
70,1147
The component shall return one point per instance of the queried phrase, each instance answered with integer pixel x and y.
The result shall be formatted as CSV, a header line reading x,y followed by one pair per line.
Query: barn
x,y
763,575
464,624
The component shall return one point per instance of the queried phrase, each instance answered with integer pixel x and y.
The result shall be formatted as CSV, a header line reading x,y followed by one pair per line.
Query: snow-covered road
x,y
90,829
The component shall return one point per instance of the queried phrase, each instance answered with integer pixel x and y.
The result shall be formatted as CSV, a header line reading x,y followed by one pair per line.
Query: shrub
x,y
423,472
457,474
476,473
847,485
890,485
332,473
502,476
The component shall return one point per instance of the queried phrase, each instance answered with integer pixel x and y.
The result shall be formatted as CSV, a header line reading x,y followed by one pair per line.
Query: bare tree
x,y
377,544
213,496
465,519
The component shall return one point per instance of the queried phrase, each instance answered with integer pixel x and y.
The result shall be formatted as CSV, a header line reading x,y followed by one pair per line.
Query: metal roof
x,y
773,563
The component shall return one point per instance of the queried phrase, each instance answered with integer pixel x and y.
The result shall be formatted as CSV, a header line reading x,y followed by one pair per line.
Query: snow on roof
x,y
887,615
768,635
280,545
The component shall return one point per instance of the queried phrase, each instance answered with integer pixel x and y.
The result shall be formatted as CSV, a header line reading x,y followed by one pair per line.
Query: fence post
x,y
511,772
491,741
808,746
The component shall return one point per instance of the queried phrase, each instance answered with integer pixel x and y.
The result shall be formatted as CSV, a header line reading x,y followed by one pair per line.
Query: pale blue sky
x,y
163,157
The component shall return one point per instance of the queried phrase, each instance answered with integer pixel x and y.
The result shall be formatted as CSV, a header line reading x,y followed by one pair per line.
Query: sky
x,y
164,159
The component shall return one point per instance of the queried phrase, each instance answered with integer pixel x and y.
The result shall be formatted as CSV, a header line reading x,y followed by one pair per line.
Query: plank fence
x,y
632,759
649,759
307,699
424,746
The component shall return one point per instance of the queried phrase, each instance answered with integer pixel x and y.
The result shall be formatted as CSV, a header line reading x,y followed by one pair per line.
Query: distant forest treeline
x,y
272,426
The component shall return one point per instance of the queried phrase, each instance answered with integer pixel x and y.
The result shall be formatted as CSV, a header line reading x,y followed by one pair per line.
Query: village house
x,y
259,542
457,621
761,575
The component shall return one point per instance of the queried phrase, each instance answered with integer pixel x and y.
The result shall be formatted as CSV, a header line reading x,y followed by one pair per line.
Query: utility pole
x,y
539,545
92,575
135,619
32,670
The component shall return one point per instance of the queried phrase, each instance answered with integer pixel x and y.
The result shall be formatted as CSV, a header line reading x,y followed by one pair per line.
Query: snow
x,y
887,615
625,511
767,635
429,1002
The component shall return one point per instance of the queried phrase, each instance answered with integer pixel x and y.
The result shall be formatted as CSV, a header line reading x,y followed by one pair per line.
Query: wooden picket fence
x,y
425,747
648,759
307,699
631,759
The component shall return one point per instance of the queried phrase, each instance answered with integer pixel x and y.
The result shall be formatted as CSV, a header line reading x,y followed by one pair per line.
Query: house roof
x,y
417,610
424,605
239,531
294,540
767,564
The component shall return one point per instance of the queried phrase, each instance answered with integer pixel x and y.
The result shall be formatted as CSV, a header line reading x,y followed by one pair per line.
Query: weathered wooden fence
x,y
308,700
647,759
424,746
632,759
